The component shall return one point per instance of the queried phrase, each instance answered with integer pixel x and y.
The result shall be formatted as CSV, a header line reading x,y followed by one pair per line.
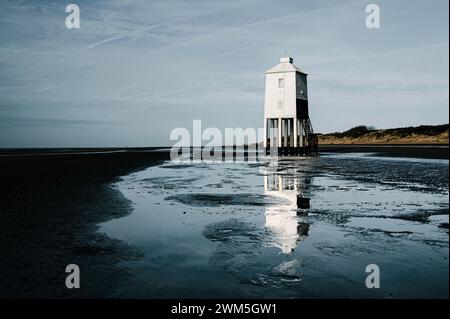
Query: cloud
x,y
53,122
142,67
136,32
46,88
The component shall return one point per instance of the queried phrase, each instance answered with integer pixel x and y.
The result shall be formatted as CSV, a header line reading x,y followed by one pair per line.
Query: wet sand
x,y
236,230
52,206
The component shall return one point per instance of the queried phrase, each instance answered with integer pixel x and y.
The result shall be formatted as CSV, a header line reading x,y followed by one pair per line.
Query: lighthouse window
x,y
281,83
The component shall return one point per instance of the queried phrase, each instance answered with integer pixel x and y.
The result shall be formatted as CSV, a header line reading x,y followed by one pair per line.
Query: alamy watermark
x,y
373,16
73,279
213,145
73,19
373,279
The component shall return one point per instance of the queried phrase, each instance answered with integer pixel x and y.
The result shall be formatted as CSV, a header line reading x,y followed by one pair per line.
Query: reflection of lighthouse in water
x,y
288,223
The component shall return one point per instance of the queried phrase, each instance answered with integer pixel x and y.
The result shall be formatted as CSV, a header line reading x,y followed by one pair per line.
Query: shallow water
x,y
235,229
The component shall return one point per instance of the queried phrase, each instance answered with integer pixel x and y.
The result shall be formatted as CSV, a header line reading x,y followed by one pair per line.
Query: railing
x,y
311,138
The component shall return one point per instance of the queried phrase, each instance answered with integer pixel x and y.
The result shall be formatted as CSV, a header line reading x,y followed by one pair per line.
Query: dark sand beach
x,y
53,201
437,151
50,205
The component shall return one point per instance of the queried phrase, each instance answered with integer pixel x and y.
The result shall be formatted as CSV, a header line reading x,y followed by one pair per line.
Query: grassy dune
x,y
424,134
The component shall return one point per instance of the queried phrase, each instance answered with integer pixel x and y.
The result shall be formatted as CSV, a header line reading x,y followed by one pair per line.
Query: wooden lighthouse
x,y
287,127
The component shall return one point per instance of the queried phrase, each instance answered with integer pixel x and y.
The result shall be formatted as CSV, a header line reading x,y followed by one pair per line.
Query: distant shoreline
x,y
437,151
414,135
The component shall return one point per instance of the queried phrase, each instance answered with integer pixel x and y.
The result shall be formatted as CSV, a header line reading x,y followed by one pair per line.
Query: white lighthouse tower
x,y
287,125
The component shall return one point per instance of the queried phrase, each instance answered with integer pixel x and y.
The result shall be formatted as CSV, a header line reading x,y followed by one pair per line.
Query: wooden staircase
x,y
312,141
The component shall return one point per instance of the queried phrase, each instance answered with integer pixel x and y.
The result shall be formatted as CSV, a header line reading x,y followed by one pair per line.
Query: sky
x,y
137,69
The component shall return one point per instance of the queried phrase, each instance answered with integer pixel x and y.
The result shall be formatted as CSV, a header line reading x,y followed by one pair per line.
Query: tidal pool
x,y
235,230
